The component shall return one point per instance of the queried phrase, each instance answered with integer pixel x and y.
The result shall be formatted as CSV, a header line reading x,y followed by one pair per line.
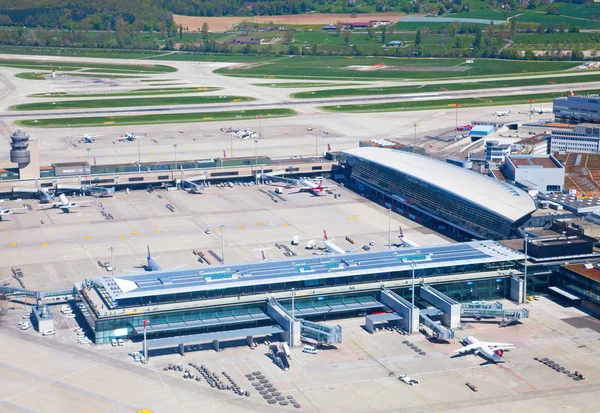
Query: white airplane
x,y
334,249
88,138
129,137
313,188
408,380
65,205
491,351
10,211
542,110
502,113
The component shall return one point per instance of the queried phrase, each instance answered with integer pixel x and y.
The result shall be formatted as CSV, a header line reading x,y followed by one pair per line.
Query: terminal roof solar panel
x,y
158,283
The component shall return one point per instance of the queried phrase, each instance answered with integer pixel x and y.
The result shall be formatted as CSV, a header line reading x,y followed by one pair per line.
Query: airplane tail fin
x,y
63,199
149,256
320,184
325,235
263,255
499,352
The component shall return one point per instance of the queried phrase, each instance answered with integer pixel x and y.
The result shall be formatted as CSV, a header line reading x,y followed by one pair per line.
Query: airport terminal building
x,y
427,189
226,299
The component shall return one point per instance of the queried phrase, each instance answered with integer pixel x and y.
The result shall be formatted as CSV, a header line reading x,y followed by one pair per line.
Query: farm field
x,y
97,121
114,103
445,103
443,87
345,68
221,24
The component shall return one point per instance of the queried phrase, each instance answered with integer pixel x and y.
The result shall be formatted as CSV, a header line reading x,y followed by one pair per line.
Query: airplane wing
x,y
495,346
353,249
470,347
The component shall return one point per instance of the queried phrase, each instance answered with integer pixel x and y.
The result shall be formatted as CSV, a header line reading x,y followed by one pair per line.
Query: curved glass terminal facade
x,y
409,191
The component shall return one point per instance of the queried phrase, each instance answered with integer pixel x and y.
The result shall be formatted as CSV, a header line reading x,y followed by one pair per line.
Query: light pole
x,y
316,143
530,108
525,269
456,116
112,264
175,150
293,319
415,137
145,343
89,166
412,302
256,159
139,157
222,242
390,228
231,144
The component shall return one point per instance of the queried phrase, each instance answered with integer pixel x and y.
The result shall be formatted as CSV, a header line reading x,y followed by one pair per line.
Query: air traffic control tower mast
x,y
26,154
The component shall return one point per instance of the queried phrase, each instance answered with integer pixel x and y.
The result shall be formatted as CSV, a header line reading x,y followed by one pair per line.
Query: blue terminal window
x,y
218,276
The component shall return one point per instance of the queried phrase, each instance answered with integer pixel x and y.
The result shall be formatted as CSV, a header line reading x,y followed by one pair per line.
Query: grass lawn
x,y
443,87
138,92
40,75
116,103
156,119
47,65
303,84
444,103
319,67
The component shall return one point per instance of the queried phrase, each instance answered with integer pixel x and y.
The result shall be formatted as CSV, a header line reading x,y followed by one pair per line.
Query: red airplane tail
x,y
320,185
325,235
499,352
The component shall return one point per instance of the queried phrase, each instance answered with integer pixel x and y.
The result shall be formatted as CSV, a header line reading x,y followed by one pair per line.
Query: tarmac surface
x,y
66,248
55,374
281,137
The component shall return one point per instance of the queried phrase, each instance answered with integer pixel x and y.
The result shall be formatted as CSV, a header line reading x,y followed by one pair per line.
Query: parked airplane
x,y
334,249
129,137
65,205
88,138
542,110
10,211
312,187
491,351
502,113
152,265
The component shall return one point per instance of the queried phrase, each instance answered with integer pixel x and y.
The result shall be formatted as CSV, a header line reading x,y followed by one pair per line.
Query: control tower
x,y
26,154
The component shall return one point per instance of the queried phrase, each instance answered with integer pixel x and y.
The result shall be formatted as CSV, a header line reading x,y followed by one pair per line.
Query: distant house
x,y
395,43
377,23
329,28
247,40
357,25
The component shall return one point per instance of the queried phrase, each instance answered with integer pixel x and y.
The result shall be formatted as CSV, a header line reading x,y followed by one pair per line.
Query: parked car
x,y
25,325
120,342
113,342
48,333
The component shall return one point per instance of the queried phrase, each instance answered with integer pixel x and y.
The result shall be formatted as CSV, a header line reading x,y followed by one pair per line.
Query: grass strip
x,y
445,103
137,92
445,87
115,103
162,118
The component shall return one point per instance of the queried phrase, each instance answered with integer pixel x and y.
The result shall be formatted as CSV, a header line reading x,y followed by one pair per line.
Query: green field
x,y
303,84
306,67
444,103
444,87
155,119
119,103
138,92
64,67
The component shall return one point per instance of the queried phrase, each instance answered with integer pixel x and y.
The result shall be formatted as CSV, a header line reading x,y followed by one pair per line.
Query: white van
x,y
309,350
48,333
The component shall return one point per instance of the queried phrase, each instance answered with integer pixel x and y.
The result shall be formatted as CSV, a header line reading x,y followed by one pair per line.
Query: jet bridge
x,y
449,307
439,331
496,311
291,327
321,332
403,308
